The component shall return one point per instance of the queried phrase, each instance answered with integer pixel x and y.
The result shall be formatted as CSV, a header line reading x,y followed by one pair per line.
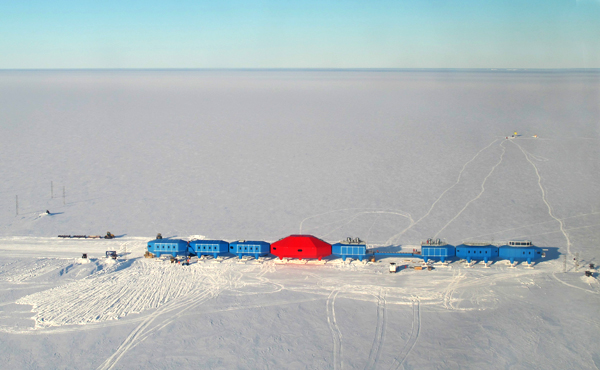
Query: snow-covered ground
x,y
391,157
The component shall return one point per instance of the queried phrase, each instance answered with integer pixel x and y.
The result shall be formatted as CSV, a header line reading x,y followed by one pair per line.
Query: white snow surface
x,y
392,157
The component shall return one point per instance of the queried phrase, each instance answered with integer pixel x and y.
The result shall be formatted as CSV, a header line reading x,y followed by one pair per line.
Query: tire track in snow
x,y
414,336
104,324
475,281
536,224
472,283
478,195
143,330
371,228
574,286
356,215
550,211
325,213
375,352
554,232
441,195
182,306
110,295
18,271
336,334
112,360
450,290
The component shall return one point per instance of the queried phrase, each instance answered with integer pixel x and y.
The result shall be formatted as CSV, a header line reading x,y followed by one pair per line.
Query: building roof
x,y
301,246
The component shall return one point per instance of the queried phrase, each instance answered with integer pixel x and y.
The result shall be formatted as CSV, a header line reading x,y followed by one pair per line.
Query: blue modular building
x,y
207,247
249,248
476,251
173,247
435,248
520,250
353,248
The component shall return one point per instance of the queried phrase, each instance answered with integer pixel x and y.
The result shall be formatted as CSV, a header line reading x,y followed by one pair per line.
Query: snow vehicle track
x,y
19,271
356,215
146,328
176,309
414,336
478,195
573,286
394,238
450,290
537,224
109,296
375,352
336,334
544,198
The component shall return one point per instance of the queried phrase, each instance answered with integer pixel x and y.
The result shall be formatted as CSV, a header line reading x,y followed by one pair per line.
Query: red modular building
x,y
301,246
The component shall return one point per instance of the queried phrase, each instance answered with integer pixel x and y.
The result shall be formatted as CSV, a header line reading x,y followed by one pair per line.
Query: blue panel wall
x,y
442,252
209,247
173,247
349,250
520,253
477,253
250,248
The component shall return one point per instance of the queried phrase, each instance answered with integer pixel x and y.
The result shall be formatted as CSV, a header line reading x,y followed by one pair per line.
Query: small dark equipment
x,y
592,266
588,273
111,254
109,235
84,255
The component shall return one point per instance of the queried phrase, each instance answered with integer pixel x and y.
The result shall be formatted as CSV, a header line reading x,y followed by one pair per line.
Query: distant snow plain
x,y
392,157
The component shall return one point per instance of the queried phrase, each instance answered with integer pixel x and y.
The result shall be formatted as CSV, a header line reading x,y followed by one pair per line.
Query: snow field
x,y
373,319
393,158
17,270
108,296
127,287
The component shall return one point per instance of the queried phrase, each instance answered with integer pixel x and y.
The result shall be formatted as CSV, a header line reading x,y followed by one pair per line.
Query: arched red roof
x,y
301,246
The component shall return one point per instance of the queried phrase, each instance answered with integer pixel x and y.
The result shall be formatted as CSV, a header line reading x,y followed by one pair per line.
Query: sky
x,y
299,34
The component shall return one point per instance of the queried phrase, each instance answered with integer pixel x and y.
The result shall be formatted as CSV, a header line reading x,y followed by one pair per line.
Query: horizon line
x,y
498,69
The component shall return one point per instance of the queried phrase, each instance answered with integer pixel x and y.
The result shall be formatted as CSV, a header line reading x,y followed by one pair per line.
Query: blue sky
x,y
300,34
